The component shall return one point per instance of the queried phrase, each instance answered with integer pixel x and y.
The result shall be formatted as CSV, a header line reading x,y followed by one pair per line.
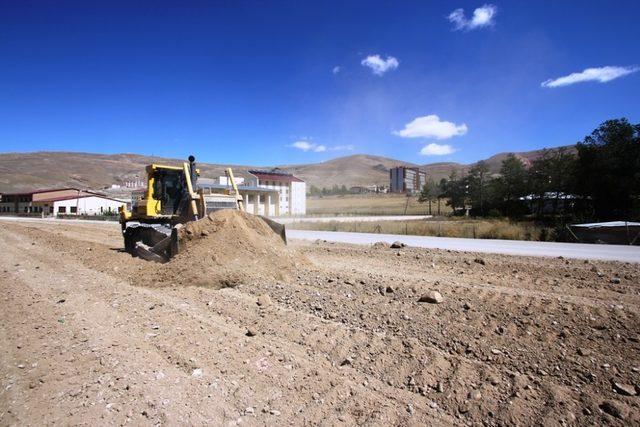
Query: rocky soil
x,y
356,335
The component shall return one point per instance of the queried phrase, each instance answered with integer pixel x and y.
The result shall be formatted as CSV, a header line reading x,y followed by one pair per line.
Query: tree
x,y
430,192
608,169
456,191
511,185
478,180
552,175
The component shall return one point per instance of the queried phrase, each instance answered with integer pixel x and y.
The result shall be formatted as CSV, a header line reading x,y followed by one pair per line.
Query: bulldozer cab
x,y
169,190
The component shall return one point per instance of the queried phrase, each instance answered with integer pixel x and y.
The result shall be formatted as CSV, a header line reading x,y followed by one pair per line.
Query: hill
x,y
26,171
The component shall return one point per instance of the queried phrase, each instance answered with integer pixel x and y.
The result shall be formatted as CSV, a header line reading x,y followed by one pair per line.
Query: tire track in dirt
x,y
402,355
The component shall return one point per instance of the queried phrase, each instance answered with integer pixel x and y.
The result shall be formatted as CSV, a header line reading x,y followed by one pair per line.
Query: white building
x,y
80,205
292,190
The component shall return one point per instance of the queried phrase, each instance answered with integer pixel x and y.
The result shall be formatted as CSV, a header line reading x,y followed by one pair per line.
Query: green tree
x,y
456,191
511,185
430,192
608,169
552,175
478,182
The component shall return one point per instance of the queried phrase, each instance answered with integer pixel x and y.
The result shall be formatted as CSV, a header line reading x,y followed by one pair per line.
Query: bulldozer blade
x,y
146,252
277,228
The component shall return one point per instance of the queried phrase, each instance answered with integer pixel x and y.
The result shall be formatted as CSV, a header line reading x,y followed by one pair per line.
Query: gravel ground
x,y
514,340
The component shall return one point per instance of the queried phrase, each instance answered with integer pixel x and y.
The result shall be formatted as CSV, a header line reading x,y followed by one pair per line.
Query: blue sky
x,y
294,82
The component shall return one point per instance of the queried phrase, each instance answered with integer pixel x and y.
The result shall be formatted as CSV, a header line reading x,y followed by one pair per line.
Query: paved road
x,y
371,218
510,247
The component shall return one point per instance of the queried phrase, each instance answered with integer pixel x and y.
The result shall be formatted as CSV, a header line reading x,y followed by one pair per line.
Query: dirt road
x,y
516,340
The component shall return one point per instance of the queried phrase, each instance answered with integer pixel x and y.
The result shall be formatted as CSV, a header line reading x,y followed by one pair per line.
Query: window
x,y
73,209
62,209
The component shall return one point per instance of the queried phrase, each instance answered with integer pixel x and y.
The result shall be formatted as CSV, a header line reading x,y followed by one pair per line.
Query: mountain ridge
x,y
48,169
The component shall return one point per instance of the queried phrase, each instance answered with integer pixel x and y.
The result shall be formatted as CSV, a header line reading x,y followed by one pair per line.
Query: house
x,y
292,191
58,201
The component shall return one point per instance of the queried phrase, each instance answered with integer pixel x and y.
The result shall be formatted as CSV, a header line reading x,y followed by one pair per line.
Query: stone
x,y
249,411
475,395
615,280
264,300
463,409
397,245
479,261
251,332
197,373
275,412
346,362
432,297
624,389
466,306
584,351
612,409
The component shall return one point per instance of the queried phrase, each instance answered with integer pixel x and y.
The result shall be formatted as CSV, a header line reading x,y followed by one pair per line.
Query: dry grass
x,y
371,204
468,228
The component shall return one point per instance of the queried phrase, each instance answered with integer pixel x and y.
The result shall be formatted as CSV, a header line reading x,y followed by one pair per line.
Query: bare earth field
x,y
372,204
516,341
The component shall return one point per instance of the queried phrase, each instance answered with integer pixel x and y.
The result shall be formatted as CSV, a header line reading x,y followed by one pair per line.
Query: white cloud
x,y
336,69
349,147
602,75
482,17
380,66
437,150
431,127
308,146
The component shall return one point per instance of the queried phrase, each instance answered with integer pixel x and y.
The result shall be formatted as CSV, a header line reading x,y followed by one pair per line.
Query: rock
x,y
615,280
389,290
21,366
479,261
466,306
432,297
624,389
249,411
264,300
439,387
612,409
397,245
463,409
251,332
197,373
475,395
275,412
61,300
346,362
495,351
584,351
204,233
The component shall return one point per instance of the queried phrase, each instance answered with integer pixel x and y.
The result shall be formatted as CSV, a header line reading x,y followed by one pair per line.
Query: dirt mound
x,y
224,249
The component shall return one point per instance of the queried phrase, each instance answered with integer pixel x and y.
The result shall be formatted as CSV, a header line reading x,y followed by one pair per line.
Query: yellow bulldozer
x,y
172,199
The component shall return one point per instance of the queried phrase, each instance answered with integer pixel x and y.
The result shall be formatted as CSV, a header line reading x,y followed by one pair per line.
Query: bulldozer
x,y
171,200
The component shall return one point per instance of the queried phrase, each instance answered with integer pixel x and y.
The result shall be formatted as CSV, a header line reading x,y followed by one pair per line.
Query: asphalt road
x,y
509,247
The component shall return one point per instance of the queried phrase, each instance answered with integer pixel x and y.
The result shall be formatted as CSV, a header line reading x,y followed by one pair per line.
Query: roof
x,y
46,190
240,187
608,224
83,196
275,176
